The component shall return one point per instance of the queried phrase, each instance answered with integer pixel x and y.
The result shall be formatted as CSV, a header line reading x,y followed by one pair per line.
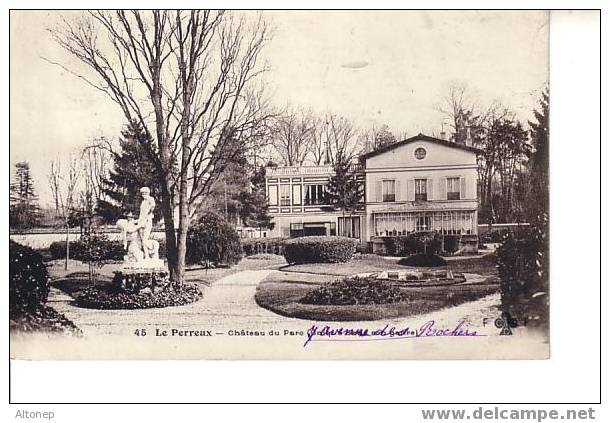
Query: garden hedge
x,y
319,249
112,250
415,243
253,246
28,280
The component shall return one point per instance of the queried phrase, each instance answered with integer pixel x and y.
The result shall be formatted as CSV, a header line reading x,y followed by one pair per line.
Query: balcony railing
x,y
307,170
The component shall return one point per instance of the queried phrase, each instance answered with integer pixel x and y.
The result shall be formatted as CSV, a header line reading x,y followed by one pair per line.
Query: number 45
x,y
140,332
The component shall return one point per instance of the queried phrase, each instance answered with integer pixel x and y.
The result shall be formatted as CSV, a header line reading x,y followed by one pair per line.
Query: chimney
x,y
468,136
443,135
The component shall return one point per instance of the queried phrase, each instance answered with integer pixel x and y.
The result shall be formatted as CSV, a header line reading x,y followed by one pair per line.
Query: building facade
x,y
419,184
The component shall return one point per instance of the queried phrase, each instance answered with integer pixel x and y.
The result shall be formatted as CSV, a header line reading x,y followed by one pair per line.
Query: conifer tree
x,y
134,167
343,190
24,210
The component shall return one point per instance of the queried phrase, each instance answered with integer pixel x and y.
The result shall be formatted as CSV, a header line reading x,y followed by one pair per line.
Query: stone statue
x,y
136,251
142,252
145,220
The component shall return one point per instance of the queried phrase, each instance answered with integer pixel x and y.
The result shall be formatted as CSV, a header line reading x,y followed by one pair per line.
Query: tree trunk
x,y
182,233
167,209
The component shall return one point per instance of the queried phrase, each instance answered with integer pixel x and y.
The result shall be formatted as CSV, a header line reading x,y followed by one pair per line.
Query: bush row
x,y
253,246
319,249
110,250
414,243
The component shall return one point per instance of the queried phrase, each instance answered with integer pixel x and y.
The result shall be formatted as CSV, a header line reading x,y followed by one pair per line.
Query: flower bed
x,y
354,290
111,297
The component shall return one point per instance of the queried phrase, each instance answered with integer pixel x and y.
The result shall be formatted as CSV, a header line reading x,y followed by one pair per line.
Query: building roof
x,y
420,137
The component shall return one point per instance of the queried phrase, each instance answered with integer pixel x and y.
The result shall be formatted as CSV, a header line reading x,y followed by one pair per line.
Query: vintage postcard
x,y
207,184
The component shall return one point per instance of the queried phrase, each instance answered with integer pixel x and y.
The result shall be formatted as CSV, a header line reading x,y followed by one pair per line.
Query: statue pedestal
x,y
145,276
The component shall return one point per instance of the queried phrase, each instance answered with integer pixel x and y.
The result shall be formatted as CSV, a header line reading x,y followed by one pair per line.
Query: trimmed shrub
x,y
354,290
253,246
212,239
28,279
319,249
423,260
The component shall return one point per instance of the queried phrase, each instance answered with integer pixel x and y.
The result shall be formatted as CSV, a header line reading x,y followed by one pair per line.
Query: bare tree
x,y
458,106
95,160
189,79
319,142
54,178
377,137
342,138
64,185
292,136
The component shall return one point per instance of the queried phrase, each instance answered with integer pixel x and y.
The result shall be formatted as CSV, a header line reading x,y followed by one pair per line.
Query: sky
x,y
374,67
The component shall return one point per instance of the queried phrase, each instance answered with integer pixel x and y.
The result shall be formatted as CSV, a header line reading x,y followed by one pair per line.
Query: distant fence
x,y
484,228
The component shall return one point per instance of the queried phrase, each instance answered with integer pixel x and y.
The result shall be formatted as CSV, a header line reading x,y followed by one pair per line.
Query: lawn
x,y
283,298
282,291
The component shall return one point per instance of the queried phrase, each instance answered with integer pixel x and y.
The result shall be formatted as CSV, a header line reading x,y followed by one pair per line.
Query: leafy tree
x,y
134,167
24,209
344,191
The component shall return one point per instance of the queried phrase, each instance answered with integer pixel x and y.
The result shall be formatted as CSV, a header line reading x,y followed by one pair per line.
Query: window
x,y
421,190
388,190
284,195
273,195
404,223
422,223
349,227
296,195
315,194
453,188
420,153
296,230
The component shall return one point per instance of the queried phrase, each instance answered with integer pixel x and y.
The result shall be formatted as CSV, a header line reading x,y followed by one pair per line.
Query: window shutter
x,y
411,190
430,193
442,189
463,188
378,193
397,190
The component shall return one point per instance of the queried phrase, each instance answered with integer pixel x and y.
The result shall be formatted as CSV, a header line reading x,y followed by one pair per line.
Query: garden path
x,y
228,306
227,303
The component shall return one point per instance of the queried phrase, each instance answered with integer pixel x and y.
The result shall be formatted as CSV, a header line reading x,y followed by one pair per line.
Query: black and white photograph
x,y
280,185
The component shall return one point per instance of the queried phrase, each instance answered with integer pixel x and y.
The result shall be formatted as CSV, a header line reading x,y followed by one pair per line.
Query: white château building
x,y
419,184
